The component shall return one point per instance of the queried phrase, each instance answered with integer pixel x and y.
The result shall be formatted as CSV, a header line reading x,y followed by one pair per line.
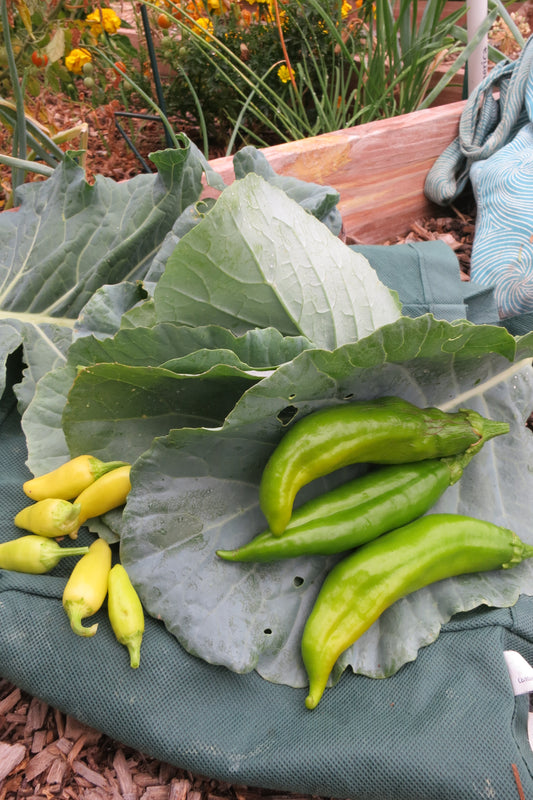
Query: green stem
x,y
23,165
18,174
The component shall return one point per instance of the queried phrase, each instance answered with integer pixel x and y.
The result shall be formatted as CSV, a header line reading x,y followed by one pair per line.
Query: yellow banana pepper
x,y
35,554
86,588
68,480
125,612
52,517
108,492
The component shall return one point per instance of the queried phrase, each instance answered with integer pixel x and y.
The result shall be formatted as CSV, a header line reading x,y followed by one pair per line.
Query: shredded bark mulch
x,y
45,754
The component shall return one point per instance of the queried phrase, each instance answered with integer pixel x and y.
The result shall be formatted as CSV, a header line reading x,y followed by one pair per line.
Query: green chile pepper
x,y
357,511
365,583
388,430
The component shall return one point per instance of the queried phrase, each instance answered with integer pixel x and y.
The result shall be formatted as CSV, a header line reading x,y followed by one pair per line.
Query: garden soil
x,y
45,753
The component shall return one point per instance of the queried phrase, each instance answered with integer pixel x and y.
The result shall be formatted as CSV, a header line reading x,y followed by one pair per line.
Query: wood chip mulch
x,y
456,230
48,755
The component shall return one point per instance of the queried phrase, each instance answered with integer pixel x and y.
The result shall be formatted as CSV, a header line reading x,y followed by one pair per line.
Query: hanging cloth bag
x,y
494,151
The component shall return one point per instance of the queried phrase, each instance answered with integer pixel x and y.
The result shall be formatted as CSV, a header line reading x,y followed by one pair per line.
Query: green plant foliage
x,y
290,70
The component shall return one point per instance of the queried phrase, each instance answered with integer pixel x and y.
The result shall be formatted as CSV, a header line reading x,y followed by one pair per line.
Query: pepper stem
x,y
527,551
486,429
52,553
104,467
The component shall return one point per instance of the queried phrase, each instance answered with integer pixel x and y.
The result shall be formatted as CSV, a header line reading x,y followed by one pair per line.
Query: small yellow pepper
x,y
125,612
108,492
35,554
68,480
86,588
51,517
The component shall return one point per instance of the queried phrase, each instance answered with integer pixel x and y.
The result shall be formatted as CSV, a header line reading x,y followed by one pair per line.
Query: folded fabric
x,y
427,278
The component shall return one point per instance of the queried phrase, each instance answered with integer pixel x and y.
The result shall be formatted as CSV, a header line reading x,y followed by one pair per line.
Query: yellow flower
x,y
214,5
76,59
284,74
206,25
103,19
346,8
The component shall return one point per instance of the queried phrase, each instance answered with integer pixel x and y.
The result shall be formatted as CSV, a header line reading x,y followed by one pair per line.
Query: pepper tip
x,y
311,701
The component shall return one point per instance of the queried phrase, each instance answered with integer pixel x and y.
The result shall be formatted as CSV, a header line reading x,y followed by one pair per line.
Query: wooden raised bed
x,y
378,168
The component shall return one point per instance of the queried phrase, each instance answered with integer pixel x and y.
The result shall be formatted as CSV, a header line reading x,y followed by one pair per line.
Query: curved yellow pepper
x,y
86,588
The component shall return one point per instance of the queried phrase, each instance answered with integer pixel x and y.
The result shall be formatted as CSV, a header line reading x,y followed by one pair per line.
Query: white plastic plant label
x,y
521,675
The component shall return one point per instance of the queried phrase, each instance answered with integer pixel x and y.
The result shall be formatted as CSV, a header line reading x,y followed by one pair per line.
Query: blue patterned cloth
x,y
502,253
494,151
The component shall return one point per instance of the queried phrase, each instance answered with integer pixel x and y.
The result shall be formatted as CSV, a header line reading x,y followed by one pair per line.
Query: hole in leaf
x,y
297,581
268,631
287,414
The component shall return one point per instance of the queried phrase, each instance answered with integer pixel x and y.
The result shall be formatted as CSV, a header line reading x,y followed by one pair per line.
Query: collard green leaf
x,y
10,340
140,383
88,235
177,349
68,239
258,260
45,342
41,422
320,201
120,409
195,491
187,220
102,314
154,346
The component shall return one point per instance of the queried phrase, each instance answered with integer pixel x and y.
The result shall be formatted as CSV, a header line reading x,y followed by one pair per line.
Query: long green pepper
x,y
388,430
357,511
365,583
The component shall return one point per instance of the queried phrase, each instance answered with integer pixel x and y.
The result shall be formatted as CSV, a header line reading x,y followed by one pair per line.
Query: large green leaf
x,y
197,490
45,343
103,402
320,201
87,235
120,409
69,238
258,260
145,381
